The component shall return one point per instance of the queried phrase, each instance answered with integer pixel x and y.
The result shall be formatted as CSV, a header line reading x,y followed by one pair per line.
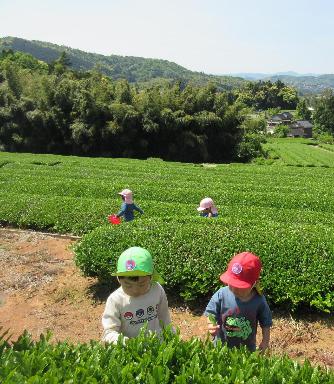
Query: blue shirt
x,y
207,215
127,211
238,319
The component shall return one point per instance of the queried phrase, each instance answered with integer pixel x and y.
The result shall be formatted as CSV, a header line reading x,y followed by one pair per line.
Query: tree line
x,y
51,108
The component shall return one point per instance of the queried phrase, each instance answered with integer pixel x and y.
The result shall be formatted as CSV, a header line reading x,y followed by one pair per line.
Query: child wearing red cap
x,y
235,311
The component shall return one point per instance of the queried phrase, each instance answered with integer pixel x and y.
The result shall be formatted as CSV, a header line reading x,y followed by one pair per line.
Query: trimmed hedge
x,y
298,268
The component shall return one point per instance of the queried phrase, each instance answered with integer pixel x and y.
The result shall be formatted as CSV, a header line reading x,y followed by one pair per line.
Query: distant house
x,y
297,128
284,118
300,128
281,118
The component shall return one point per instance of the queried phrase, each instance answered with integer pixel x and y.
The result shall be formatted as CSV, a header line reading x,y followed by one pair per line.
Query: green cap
x,y
137,261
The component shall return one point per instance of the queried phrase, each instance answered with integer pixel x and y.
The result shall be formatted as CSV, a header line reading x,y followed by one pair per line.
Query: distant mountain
x,y
249,76
310,83
307,84
133,69
295,74
260,76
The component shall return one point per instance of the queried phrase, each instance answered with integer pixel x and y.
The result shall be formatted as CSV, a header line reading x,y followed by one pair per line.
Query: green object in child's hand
x,y
212,319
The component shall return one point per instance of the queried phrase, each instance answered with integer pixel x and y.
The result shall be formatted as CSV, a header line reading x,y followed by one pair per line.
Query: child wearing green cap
x,y
139,300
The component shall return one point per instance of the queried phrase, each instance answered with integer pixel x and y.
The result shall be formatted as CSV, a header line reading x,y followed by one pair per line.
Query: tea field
x,y
300,152
285,214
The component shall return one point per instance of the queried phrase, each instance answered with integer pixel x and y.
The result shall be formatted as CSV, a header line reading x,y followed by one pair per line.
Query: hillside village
x,y
296,128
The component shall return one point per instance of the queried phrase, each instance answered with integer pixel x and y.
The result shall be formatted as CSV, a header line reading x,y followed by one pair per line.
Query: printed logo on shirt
x,y
236,268
140,312
129,265
238,327
128,315
150,310
231,312
140,321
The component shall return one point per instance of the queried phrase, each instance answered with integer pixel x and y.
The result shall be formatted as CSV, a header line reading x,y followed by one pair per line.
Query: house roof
x,y
302,124
287,115
276,118
282,116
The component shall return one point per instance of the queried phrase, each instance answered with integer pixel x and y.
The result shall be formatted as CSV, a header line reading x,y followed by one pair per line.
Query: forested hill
x,y
133,69
306,84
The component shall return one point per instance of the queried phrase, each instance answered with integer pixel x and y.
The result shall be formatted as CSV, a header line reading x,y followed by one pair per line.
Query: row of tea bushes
x,y
295,189
190,254
77,194
81,215
147,360
299,152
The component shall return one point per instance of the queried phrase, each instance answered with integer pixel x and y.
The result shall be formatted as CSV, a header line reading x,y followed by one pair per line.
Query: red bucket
x,y
113,219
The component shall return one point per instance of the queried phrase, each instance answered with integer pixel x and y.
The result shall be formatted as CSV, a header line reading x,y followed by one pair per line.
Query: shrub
x,y
190,255
147,360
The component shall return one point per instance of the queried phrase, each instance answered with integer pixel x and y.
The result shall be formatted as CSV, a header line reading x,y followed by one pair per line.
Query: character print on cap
x,y
129,265
236,268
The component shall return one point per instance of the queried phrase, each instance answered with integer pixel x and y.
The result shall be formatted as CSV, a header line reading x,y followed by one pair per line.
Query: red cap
x,y
243,270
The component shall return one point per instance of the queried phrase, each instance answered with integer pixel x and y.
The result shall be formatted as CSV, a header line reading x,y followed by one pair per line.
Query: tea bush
x,y
298,270
147,360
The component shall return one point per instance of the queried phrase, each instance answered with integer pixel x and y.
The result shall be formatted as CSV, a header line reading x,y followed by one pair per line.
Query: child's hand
x,y
263,346
213,327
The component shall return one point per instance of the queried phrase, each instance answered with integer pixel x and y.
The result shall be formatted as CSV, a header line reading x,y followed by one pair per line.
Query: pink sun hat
x,y
206,203
127,193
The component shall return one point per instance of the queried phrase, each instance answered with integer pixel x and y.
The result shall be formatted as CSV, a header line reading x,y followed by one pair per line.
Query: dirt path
x,y
40,289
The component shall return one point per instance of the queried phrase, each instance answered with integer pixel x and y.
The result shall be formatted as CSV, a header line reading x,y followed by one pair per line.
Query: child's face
x,y
242,293
136,288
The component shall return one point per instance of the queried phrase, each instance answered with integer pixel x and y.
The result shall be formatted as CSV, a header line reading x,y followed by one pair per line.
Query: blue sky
x,y
213,36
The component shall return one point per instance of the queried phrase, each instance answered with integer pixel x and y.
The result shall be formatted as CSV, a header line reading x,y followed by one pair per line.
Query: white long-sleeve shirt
x,y
126,314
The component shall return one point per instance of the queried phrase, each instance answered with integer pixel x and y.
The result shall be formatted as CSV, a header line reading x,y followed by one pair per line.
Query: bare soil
x,y
41,289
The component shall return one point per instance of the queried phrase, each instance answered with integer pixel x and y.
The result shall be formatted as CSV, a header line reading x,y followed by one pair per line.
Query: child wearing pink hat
x,y
235,311
128,206
207,208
